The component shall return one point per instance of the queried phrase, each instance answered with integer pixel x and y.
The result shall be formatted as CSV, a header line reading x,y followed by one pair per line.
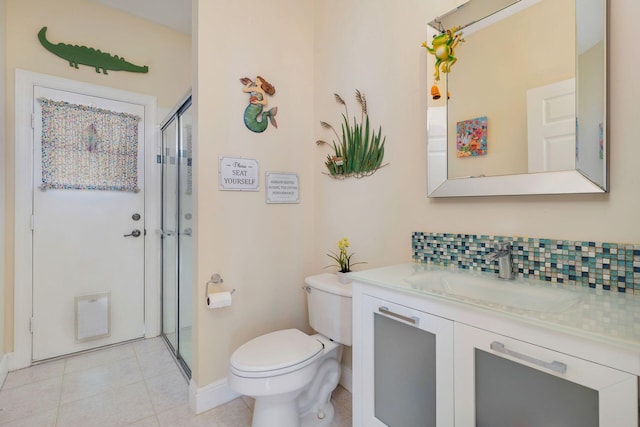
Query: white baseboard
x,y
210,396
219,393
4,368
345,378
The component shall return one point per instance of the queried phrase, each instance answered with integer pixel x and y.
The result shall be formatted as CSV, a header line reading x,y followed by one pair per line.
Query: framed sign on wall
x,y
282,187
238,174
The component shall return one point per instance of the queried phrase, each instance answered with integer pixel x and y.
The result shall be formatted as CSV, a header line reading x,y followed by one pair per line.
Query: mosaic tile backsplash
x,y
608,266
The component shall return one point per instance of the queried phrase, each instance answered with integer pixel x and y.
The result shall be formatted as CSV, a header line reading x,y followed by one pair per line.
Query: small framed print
x,y
282,187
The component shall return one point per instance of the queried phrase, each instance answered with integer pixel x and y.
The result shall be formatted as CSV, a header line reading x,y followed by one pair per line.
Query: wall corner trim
x,y
346,378
4,367
210,396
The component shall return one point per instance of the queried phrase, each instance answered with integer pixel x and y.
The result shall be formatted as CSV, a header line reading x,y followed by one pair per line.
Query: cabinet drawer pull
x,y
555,366
385,310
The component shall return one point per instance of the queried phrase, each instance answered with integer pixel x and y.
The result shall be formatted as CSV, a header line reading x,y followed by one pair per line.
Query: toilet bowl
x,y
291,374
293,390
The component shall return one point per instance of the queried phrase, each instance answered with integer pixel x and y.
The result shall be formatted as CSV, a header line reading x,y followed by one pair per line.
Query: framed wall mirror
x,y
522,110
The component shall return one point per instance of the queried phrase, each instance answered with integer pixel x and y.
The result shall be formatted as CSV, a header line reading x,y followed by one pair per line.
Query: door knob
x,y
134,233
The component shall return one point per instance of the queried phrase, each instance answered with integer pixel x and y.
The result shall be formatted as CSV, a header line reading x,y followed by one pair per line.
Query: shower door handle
x,y
134,233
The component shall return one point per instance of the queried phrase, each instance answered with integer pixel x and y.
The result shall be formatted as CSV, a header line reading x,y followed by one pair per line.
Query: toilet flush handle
x,y
307,288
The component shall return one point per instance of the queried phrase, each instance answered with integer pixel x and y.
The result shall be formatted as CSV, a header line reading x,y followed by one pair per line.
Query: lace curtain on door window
x,y
88,148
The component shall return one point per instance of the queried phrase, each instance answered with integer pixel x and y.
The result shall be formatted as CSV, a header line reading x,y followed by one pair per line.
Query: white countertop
x,y
605,316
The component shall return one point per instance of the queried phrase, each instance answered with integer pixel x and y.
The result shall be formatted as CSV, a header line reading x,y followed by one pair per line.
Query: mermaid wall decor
x,y
255,118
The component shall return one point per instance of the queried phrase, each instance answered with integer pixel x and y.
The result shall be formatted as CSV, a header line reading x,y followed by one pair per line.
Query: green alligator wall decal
x,y
88,56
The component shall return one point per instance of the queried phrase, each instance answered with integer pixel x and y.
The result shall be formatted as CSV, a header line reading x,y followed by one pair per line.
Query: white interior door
x,y
85,246
551,127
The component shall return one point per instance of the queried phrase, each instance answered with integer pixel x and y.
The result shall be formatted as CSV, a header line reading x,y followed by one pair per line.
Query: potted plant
x,y
343,260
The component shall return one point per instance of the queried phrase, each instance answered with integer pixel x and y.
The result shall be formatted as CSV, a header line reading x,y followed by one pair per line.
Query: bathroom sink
x,y
481,289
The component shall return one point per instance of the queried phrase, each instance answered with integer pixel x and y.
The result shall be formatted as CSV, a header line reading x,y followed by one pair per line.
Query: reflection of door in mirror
x,y
497,65
551,127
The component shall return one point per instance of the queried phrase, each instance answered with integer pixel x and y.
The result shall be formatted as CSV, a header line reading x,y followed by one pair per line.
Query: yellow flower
x,y
343,244
342,258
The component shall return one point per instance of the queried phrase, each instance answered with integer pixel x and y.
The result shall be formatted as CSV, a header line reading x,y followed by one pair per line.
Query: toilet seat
x,y
276,353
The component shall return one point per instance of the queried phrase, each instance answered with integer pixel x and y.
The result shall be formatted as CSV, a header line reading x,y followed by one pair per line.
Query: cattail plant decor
x,y
358,150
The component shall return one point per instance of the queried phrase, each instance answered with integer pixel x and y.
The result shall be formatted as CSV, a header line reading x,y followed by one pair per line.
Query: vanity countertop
x,y
605,316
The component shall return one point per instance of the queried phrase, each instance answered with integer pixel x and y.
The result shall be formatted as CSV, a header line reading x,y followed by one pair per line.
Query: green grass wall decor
x,y
358,151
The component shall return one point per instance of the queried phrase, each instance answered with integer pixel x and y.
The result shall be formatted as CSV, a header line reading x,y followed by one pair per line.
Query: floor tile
x,y
341,401
28,400
34,374
149,346
249,401
232,414
98,358
137,384
45,418
117,407
156,363
168,391
146,422
88,382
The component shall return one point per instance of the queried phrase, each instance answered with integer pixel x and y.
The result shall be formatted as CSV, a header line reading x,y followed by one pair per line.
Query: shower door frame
x,y
173,117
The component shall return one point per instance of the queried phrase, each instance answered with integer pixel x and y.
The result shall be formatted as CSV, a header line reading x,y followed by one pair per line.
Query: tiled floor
x,y
135,384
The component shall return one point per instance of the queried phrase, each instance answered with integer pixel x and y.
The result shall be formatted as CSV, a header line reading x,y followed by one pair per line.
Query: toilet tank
x,y
329,305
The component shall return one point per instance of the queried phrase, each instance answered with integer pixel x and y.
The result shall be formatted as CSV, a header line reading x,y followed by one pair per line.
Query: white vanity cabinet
x,y
501,382
424,360
406,365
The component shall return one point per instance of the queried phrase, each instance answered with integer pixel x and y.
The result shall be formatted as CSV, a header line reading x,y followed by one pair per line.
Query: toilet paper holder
x,y
216,280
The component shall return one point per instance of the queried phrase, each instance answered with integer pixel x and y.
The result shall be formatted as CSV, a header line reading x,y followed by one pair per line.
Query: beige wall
x,y
83,22
263,251
374,46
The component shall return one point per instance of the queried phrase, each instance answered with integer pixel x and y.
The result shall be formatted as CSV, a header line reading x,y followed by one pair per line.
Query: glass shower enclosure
x,y
177,242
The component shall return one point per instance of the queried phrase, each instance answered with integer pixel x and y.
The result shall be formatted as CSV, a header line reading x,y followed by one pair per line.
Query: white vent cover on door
x,y
93,316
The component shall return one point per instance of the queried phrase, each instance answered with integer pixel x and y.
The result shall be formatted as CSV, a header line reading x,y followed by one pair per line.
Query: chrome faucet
x,y
502,253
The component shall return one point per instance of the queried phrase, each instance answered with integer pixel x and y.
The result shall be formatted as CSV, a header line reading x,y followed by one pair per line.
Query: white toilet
x,y
291,374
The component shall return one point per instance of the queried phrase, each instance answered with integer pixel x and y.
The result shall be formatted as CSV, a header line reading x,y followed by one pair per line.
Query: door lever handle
x,y
134,233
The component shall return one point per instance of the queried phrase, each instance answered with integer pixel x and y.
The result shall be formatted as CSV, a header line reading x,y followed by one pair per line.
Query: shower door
x,y
176,233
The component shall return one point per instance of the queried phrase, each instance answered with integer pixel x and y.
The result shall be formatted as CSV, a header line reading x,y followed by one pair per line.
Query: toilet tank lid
x,y
329,283
276,350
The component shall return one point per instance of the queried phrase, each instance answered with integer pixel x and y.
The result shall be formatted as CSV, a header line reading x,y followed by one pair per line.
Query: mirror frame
x,y
560,182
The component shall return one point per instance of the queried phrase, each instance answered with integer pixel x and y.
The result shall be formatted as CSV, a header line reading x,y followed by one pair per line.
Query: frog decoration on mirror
x,y
442,47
